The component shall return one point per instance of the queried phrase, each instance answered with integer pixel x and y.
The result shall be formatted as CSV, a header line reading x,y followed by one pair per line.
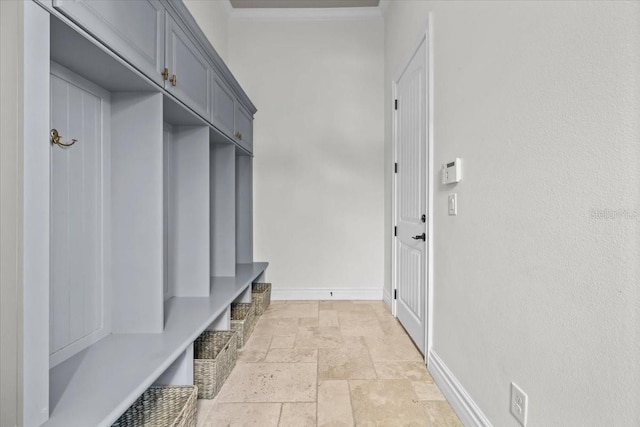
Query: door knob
x,y
422,237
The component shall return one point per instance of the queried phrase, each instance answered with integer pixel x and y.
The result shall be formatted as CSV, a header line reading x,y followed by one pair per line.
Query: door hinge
x,y
395,167
396,104
395,294
395,231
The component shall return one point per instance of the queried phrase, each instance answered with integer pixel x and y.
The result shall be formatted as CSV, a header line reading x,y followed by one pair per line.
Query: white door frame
x,y
430,177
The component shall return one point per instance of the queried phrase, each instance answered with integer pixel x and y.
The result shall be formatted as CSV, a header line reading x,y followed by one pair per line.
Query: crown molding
x,y
307,14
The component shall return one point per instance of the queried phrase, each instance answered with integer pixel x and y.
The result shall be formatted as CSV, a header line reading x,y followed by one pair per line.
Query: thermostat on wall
x,y
452,171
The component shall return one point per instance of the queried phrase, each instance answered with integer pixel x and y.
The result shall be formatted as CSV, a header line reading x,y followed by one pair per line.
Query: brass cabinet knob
x,y
174,80
165,74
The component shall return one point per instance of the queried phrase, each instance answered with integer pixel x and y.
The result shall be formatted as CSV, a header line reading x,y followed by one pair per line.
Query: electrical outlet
x,y
519,402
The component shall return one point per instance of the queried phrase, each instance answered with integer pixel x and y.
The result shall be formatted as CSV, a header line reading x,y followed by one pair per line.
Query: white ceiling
x,y
301,4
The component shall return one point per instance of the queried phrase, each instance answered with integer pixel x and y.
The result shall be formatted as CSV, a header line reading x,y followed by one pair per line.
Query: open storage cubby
x,y
187,204
170,206
223,210
244,207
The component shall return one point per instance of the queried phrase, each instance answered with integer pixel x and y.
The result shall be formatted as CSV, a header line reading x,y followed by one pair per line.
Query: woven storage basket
x,y
261,295
162,406
215,355
243,317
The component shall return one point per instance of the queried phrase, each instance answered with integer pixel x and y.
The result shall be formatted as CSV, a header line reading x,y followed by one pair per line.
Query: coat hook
x,y
55,139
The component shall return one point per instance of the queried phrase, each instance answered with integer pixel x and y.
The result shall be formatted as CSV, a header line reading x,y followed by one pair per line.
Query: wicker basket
x,y
215,355
170,406
243,317
261,295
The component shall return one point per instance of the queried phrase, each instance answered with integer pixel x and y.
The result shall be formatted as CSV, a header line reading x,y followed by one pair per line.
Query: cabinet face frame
x,y
98,18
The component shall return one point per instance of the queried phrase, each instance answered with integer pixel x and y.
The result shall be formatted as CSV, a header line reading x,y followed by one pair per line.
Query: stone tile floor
x,y
328,363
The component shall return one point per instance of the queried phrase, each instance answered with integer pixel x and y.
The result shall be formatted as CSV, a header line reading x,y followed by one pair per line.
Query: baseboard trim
x,y
461,402
316,294
386,297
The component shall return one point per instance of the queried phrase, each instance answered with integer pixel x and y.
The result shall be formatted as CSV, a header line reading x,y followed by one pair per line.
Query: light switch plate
x,y
453,204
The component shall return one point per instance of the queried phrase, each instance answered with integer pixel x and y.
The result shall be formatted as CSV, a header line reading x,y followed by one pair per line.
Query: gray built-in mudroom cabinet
x,y
138,234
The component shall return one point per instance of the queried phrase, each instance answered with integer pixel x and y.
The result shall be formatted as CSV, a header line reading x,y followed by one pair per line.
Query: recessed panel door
x,y
411,196
244,128
79,219
190,74
224,105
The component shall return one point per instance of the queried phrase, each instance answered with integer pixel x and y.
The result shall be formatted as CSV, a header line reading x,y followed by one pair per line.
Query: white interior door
x,y
79,215
411,197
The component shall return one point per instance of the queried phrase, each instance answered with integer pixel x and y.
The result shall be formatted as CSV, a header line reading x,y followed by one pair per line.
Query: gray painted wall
x,y
541,101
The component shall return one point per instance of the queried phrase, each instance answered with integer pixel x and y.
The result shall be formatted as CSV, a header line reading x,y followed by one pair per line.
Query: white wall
x,y
318,170
212,17
10,212
542,101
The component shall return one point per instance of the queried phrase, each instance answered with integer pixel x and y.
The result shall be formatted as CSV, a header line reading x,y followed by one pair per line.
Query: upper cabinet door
x,y
190,74
223,108
244,128
133,29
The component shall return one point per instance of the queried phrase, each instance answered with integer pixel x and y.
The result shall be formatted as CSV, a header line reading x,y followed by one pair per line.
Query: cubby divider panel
x,y
137,212
189,246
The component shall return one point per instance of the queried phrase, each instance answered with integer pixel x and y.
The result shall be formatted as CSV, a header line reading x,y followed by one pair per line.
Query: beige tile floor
x,y
328,363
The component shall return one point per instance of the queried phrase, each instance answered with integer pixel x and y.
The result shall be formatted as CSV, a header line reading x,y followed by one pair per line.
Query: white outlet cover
x,y
519,403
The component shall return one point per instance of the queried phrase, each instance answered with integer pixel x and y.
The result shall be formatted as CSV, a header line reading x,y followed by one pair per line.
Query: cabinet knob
x,y
165,74
174,80
239,136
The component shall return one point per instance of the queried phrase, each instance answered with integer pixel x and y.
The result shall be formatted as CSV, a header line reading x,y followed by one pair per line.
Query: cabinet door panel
x,y
191,70
132,29
223,107
244,128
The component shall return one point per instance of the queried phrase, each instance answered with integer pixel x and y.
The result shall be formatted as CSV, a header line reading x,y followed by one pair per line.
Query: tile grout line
x,y
353,411
317,384
280,414
317,373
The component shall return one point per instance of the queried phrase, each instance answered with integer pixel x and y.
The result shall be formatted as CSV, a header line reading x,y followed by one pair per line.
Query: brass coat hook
x,y
56,139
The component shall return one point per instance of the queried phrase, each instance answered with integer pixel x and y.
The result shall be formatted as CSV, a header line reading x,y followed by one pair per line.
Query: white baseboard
x,y
466,409
386,297
316,294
